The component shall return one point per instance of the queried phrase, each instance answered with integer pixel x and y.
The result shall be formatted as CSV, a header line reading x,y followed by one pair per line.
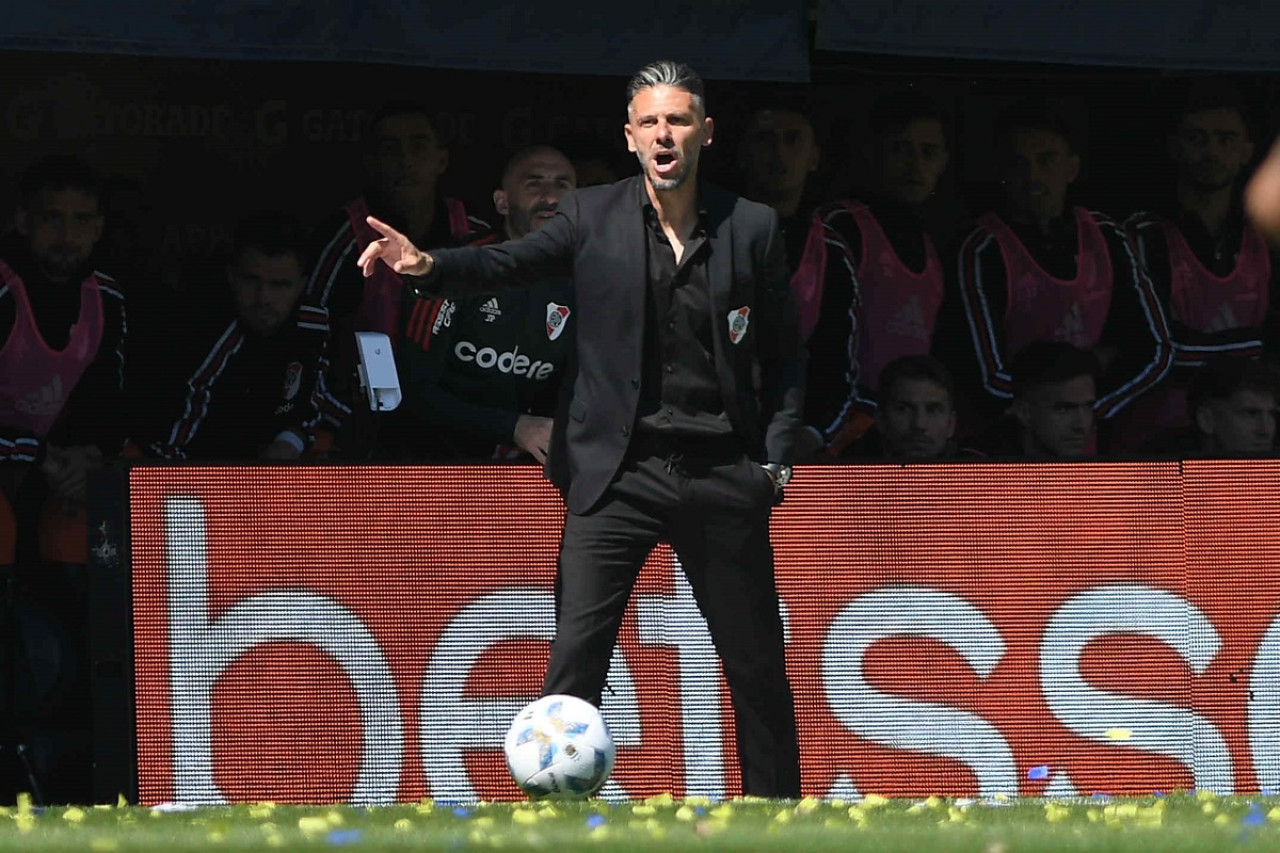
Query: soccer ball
x,y
558,747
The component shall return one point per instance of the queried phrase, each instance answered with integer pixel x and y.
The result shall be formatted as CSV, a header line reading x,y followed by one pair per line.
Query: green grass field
x,y
1178,822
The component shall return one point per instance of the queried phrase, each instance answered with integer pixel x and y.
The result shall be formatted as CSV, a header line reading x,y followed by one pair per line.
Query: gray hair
x,y
667,72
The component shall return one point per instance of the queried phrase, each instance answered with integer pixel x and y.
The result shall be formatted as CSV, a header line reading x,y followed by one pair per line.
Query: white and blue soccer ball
x,y
558,747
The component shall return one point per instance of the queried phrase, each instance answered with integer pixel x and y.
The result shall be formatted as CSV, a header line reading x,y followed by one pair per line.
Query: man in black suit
x,y
681,292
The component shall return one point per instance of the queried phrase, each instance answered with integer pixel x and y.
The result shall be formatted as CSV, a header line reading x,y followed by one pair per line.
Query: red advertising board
x,y
366,634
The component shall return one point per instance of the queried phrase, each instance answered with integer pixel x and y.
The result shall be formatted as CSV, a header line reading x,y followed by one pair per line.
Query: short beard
x,y
664,185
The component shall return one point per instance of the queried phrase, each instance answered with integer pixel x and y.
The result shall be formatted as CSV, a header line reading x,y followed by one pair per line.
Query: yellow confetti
x,y
424,808
313,825
1119,734
217,836
524,816
26,822
104,845
334,817
1202,795
644,811
838,804
24,803
663,799
403,825
275,840
1151,816
807,805
1055,813
697,801
783,816
684,813
1223,820
874,801
261,811
121,802
74,815
1274,815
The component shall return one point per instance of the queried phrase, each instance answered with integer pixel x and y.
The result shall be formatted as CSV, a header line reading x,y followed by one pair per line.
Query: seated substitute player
x,y
916,418
242,384
62,361
1054,398
1233,406
1211,270
778,158
483,372
404,159
1041,269
870,285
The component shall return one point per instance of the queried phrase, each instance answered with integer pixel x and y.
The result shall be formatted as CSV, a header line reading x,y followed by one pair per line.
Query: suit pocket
x,y
578,410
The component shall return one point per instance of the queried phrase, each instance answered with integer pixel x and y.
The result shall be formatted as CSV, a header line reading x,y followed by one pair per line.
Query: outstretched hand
x,y
395,250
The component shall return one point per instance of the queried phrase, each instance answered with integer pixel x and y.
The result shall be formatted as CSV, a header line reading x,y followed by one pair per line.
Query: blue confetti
x,y
459,811
1039,772
1267,792
1255,817
340,837
699,811
595,820
1101,795
1158,794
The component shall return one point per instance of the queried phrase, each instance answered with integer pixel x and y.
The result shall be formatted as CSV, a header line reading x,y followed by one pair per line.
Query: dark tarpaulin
x,y
722,39
1221,35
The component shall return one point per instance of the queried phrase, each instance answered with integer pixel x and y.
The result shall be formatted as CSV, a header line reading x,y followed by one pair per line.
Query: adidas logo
x,y
1226,319
908,322
47,400
491,309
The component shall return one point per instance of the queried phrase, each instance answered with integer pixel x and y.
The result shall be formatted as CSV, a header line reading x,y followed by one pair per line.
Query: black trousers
x,y
712,504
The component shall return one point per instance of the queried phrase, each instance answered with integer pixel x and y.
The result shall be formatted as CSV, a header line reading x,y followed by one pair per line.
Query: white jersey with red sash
x,y
380,304
1042,307
899,306
35,379
1208,303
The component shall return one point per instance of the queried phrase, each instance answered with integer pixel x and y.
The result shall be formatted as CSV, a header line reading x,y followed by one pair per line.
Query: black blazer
x,y
598,238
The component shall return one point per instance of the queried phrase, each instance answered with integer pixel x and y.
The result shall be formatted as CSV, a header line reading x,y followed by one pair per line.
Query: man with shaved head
x,y
483,372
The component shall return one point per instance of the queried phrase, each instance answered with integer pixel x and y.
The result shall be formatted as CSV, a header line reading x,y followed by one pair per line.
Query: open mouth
x,y
665,162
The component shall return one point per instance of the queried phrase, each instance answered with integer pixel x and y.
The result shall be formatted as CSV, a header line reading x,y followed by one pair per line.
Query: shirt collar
x,y
651,212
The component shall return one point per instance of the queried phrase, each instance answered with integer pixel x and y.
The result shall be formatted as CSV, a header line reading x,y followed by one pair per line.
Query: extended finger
x,y
384,229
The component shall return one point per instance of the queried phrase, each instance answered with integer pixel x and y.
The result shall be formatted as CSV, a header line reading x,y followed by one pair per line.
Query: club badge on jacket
x,y
738,319
557,317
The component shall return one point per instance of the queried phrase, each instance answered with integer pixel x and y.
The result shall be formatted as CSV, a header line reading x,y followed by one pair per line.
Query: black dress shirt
x,y
679,391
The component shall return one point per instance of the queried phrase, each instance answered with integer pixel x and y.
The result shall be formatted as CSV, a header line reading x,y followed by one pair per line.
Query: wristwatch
x,y
780,473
